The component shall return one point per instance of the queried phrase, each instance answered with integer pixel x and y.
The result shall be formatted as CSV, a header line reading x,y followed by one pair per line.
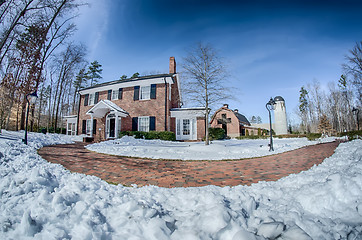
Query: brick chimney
x,y
172,65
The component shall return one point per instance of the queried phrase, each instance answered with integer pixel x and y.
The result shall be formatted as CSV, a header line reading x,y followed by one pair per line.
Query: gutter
x,y
165,103
77,132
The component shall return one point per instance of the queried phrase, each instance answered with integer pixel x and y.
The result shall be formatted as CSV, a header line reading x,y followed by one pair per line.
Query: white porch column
x,y
91,125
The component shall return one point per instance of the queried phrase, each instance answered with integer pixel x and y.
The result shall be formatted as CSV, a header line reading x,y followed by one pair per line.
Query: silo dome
x,y
279,98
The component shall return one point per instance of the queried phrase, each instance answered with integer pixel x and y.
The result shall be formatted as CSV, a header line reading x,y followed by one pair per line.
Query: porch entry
x,y
186,129
113,126
113,115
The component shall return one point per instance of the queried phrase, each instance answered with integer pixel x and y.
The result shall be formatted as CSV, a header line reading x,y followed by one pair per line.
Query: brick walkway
x,y
164,173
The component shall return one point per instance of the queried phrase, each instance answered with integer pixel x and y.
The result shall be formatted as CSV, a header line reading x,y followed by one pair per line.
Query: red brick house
x,y
145,103
234,123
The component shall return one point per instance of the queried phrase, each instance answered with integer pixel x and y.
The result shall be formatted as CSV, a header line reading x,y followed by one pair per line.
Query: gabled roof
x,y
129,80
103,106
242,119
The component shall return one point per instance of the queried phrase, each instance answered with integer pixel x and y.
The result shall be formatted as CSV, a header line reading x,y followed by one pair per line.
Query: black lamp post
x,y
270,106
356,111
30,98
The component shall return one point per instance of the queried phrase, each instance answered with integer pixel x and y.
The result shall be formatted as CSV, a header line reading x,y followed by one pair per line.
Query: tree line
x,y
337,105
37,54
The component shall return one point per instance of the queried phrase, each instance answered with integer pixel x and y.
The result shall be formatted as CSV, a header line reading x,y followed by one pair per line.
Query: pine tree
x,y
135,75
324,126
94,72
303,107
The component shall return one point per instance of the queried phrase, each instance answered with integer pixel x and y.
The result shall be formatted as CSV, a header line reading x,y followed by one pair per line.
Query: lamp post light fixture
x,y
270,106
356,111
31,99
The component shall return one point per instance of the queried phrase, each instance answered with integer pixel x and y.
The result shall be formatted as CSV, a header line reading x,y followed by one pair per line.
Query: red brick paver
x,y
165,173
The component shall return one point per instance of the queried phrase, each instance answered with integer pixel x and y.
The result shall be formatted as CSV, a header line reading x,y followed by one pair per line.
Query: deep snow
x,y
45,201
228,149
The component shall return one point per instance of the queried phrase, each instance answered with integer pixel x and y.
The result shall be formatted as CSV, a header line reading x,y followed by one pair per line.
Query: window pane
x,y
144,124
186,127
145,92
88,126
178,127
119,125
114,94
91,99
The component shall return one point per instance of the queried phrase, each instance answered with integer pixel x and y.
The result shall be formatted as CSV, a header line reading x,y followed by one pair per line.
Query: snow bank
x,y
40,200
225,149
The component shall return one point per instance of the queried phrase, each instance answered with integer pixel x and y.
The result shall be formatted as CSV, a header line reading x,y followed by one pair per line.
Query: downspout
x,y
165,103
78,113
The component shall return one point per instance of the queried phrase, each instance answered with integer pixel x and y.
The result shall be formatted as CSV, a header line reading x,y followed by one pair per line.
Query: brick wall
x,y
200,122
233,129
151,107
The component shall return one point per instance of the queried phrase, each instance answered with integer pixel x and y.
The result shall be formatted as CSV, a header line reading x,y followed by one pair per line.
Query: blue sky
x,y
270,47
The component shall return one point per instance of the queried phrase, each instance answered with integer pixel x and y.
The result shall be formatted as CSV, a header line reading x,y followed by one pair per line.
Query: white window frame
x,y
145,92
91,99
88,126
144,124
186,127
71,129
186,134
115,94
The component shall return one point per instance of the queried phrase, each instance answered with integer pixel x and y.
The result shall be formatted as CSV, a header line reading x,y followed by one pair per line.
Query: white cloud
x,y
92,25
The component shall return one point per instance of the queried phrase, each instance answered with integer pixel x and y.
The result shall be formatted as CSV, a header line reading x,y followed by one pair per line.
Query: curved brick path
x,y
163,173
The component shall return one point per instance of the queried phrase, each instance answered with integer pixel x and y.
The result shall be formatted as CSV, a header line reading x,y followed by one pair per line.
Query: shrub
x,y
251,137
313,136
216,133
163,135
351,135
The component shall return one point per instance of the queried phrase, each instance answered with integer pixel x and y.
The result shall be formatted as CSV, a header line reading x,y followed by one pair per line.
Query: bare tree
x,y
206,75
353,67
69,62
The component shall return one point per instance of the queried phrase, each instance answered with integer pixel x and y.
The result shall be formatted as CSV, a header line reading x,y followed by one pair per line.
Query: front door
x,y
186,129
112,127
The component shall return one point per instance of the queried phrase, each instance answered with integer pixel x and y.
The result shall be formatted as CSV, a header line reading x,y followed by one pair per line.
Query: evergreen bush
x,y
313,136
162,135
352,135
251,137
216,133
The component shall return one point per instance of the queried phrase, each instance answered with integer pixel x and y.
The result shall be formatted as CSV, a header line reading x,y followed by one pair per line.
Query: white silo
x,y
280,116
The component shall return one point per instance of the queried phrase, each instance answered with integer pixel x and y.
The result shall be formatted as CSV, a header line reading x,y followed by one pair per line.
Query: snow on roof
x,y
100,109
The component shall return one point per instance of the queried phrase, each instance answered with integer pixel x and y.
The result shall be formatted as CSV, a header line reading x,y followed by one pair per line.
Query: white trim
x,y
91,98
138,124
180,129
103,106
88,127
147,92
114,94
117,120
141,82
187,112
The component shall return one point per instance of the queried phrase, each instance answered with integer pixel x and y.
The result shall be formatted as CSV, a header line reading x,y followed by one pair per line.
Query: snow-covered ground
x,y
40,200
225,149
